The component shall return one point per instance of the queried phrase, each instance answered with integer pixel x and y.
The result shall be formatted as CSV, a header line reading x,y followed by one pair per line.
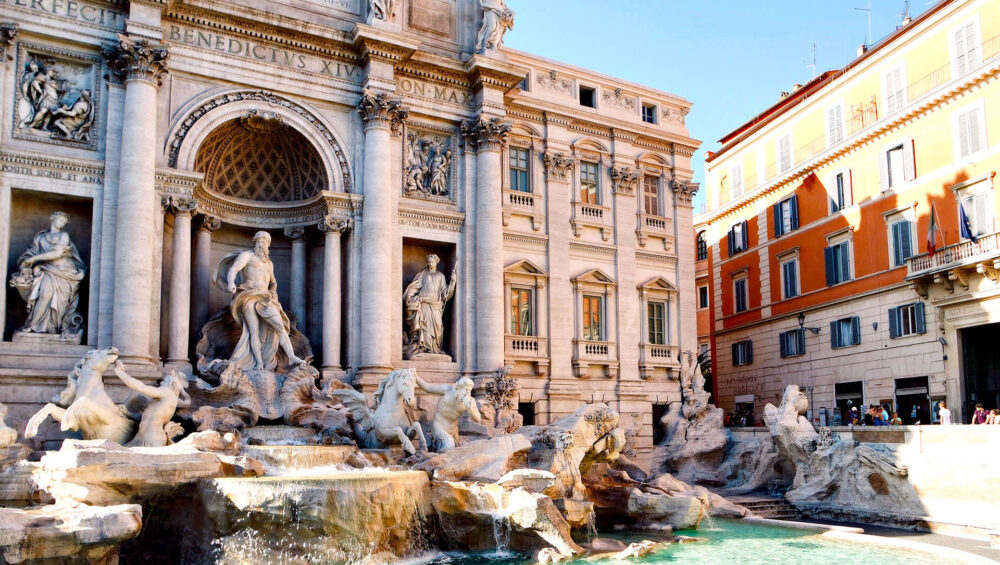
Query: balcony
x,y
528,348
656,226
602,353
955,263
652,357
528,204
591,215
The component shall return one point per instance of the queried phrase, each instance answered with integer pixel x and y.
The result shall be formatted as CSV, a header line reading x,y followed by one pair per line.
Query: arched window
x,y
702,247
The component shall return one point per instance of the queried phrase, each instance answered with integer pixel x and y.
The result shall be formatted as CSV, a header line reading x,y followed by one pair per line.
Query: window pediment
x,y
657,283
594,276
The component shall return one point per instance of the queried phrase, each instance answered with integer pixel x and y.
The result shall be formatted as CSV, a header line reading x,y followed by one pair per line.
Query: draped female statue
x,y
425,298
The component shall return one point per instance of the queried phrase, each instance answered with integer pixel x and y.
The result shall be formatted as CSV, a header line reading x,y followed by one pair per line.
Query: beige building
x,y
363,136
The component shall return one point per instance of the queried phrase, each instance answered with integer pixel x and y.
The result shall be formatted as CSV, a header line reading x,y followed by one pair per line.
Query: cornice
x,y
75,165
525,239
433,73
376,44
433,219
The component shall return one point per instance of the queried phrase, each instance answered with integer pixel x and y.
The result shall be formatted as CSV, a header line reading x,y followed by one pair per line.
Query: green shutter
x,y
921,324
893,323
856,330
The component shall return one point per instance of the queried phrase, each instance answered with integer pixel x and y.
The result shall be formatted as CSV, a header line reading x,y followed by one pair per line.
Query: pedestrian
x,y
876,413
994,417
896,420
869,419
853,418
885,415
980,415
944,415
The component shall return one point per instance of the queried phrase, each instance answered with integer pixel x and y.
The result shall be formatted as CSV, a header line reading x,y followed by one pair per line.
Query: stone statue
x,y
48,279
439,171
497,19
425,299
74,121
417,155
8,435
388,423
26,105
456,399
381,10
44,91
85,406
249,276
155,427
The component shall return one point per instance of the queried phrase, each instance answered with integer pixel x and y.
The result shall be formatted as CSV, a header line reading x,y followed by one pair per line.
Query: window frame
x,y
785,137
657,201
979,106
741,276
970,190
841,124
736,187
593,95
792,203
896,318
909,165
836,332
701,247
515,324
893,218
744,239
588,300
848,188
844,237
956,70
596,183
783,259
642,112
511,151
796,336
707,297
742,353
664,330
897,71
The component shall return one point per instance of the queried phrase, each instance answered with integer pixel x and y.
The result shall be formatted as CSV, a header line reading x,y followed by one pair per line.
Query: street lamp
x,y
802,323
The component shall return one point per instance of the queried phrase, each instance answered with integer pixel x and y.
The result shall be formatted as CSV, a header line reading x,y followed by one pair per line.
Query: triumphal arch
x,y
421,195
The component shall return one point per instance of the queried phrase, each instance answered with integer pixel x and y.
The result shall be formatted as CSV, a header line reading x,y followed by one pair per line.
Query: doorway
x,y
981,364
913,401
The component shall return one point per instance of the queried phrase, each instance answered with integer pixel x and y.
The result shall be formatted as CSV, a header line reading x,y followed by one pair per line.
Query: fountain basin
x,y
297,457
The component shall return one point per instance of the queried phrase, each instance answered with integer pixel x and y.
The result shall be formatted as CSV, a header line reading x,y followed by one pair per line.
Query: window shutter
x,y
906,240
963,134
856,330
749,352
883,171
793,211
974,142
897,249
800,339
746,236
782,344
921,321
845,261
834,334
831,192
736,349
848,189
893,323
830,267
909,160
729,242
777,219
959,39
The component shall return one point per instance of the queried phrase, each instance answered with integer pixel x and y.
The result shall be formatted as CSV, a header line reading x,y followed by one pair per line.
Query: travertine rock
x,y
485,460
8,435
682,512
67,534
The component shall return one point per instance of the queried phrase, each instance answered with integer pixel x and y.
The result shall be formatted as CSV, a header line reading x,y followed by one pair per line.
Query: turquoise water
x,y
738,543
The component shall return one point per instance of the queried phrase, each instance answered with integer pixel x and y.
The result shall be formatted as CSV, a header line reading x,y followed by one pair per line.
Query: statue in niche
x,y
425,299
428,161
381,10
456,399
264,341
48,279
497,19
50,104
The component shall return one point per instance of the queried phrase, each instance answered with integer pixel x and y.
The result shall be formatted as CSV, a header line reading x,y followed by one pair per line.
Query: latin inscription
x,y
49,174
437,92
745,384
75,10
248,49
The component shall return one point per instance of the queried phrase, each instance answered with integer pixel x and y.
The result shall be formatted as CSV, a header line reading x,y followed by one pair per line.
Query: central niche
x,y
260,158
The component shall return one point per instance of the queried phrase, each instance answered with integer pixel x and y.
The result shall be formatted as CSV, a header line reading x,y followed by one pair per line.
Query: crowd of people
x,y
983,416
875,415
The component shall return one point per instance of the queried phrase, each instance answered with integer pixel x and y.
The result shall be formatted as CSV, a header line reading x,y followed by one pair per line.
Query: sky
x,y
730,58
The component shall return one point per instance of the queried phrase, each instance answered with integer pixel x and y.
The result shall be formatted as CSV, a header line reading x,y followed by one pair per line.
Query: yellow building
x,y
818,212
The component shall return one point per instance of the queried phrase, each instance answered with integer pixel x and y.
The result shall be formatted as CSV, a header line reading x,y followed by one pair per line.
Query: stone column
x,y
332,227
179,313
140,65
382,117
202,280
298,282
487,137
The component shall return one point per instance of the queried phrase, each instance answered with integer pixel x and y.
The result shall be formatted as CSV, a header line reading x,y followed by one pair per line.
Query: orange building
x,y
817,221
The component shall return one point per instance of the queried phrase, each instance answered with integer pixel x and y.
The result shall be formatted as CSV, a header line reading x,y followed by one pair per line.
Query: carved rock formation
x,y
485,460
67,534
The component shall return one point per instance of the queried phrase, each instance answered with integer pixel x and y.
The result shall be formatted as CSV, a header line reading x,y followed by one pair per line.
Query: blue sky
x,y
731,58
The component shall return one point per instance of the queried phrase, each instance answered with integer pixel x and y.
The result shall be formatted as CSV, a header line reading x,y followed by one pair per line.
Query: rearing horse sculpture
x,y
388,423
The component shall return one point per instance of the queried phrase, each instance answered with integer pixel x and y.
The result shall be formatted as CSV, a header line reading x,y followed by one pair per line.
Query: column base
x,y
179,366
367,376
328,374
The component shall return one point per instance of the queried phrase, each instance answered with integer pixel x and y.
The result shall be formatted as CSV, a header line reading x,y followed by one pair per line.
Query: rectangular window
x,y
845,332
840,192
736,180
970,132
702,247
790,278
901,233
897,165
792,343
740,294
786,216
894,89
835,125
742,353
784,153
651,195
593,318
519,170
838,263
894,158
649,113
588,184
521,306
656,313
965,48
978,207
738,239
702,297
907,319
588,97
703,348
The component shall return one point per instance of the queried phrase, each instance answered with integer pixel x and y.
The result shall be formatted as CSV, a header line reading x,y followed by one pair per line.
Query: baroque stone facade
x,y
363,137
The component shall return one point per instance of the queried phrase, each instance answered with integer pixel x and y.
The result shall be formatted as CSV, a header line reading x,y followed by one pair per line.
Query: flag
x,y
932,232
965,227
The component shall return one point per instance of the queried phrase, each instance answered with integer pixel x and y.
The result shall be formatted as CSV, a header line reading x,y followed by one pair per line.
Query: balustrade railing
x,y
955,255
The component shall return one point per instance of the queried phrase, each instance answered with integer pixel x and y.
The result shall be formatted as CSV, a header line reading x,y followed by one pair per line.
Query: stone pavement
x,y
975,546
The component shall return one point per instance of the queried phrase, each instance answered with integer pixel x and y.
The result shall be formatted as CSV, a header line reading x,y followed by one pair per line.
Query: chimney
x,y
862,49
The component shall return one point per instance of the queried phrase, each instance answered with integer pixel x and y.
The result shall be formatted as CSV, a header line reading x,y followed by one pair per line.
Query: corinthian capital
x,y
180,205
626,179
684,191
380,111
335,224
557,165
137,59
8,32
486,133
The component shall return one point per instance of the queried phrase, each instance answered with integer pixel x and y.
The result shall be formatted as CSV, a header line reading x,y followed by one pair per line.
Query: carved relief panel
x,y
56,96
429,163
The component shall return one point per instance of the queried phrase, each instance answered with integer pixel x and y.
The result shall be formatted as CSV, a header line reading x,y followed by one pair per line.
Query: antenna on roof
x,y
868,9
906,12
812,65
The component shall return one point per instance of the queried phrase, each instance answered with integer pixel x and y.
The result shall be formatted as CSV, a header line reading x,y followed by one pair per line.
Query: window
x,y
838,262
521,306
965,54
519,170
896,165
742,353
593,318
527,412
841,194
702,247
901,237
588,184
786,216
784,153
845,332
740,293
736,176
894,89
656,313
702,297
834,125
651,195
588,97
738,240
792,343
649,113
790,277
525,83
978,208
702,348
969,131
907,319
